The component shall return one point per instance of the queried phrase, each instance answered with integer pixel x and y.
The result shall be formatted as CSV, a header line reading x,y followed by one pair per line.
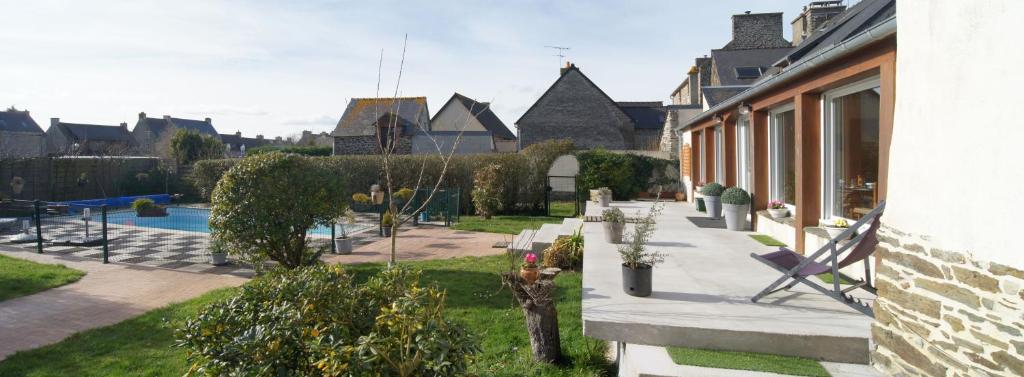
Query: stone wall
x,y
576,109
944,313
347,145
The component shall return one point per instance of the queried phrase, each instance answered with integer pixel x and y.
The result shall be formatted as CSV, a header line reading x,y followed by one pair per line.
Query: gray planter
x,y
343,245
637,282
735,216
613,232
714,206
604,200
218,259
387,231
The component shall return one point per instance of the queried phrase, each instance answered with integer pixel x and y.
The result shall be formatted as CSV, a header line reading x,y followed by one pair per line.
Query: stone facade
x,y
757,30
944,313
344,145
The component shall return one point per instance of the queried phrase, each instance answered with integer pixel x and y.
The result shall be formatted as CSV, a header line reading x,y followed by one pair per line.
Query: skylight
x,y
744,73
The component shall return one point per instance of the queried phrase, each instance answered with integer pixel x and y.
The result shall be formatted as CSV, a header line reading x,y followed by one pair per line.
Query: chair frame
x,y
833,250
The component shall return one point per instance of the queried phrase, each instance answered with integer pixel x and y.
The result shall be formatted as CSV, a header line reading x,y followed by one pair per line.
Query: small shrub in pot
x,y
713,199
637,261
735,205
614,222
605,197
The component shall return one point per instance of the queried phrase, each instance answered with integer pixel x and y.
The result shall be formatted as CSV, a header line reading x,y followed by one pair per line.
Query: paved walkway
x,y
424,243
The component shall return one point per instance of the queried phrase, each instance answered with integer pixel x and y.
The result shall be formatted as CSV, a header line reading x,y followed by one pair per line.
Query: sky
x,y
279,67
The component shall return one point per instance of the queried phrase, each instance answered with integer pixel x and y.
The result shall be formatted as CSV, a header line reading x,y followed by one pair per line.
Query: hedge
x,y
309,150
626,174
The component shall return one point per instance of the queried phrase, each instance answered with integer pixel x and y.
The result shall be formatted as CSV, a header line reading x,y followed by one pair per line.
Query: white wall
x,y
455,117
956,170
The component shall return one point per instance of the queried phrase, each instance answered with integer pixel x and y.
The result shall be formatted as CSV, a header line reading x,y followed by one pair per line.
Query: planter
x,y
735,216
832,231
637,282
603,200
714,206
151,212
218,259
387,231
700,205
778,213
613,232
680,196
530,274
343,245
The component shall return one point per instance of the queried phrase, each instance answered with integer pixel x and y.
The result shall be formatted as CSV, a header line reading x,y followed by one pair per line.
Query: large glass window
x,y
851,150
700,158
744,152
782,148
719,156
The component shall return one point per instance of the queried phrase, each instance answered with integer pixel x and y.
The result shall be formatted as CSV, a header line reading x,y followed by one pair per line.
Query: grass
x,y
767,240
504,224
19,277
142,346
796,366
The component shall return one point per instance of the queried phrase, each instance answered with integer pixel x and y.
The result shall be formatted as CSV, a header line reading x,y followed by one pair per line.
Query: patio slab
x,y
701,295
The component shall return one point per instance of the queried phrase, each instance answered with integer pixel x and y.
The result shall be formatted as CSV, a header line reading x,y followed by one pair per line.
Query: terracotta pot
x,y
680,196
152,212
529,274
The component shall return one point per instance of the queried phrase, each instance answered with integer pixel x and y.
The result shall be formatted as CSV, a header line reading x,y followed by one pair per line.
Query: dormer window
x,y
747,73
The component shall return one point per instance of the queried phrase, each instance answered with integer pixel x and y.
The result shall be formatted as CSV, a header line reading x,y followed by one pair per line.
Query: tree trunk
x,y
537,301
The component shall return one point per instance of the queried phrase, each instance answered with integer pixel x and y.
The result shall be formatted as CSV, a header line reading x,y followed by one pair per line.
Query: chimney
x,y
757,30
207,120
568,66
167,117
259,137
124,125
142,115
237,133
694,79
307,133
54,122
813,16
277,139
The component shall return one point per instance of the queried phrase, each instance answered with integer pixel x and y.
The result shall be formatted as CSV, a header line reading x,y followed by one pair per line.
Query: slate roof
x,y
236,141
726,62
486,117
852,21
94,132
18,121
159,125
361,114
565,73
645,115
716,94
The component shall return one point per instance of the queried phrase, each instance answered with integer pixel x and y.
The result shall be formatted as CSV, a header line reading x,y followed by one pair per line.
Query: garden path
x,y
425,242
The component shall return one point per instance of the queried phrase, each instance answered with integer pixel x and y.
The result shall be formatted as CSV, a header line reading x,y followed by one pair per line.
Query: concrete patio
x,y
701,295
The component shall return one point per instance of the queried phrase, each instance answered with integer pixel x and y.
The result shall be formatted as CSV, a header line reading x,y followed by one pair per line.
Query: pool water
x,y
198,220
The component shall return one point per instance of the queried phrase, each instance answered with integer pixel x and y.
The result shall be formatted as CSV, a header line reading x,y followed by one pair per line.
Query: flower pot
x,y
833,232
637,282
613,232
714,206
778,213
343,245
151,212
735,216
530,274
700,205
387,230
604,199
680,196
218,259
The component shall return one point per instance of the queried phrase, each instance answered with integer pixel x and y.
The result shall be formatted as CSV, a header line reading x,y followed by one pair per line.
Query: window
x,y
719,156
782,152
850,150
700,158
744,153
746,73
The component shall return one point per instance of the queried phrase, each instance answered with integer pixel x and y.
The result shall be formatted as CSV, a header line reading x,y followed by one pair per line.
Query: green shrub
x,y
295,149
487,190
142,204
735,195
613,215
626,174
316,320
189,146
712,189
263,206
361,198
387,219
566,253
404,193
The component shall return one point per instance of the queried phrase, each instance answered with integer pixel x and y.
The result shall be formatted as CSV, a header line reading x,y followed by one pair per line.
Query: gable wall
x,y
577,110
455,117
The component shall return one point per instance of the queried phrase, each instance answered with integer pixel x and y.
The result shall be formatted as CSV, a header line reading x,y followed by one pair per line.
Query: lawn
x,y
19,277
504,224
767,240
142,346
796,366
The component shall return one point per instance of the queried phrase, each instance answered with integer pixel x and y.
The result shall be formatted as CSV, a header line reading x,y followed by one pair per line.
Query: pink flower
x,y
530,258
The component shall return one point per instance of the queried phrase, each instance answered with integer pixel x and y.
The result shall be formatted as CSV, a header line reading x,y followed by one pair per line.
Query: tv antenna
x,y
561,53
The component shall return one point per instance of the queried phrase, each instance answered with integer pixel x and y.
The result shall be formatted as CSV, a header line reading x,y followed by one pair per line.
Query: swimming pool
x,y
198,220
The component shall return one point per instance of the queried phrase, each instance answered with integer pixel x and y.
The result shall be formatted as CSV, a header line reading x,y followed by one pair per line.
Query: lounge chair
x,y
797,267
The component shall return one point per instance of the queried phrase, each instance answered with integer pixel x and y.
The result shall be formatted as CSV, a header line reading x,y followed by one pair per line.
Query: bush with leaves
x,y
566,253
189,146
712,189
144,204
361,198
316,321
735,195
404,193
487,191
635,254
265,204
305,150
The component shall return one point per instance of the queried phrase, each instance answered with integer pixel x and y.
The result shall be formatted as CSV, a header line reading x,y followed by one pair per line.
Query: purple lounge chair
x,y
798,267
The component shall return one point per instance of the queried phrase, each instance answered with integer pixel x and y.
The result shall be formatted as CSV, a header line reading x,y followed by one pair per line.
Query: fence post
x,y
447,208
39,228
334,248
106,248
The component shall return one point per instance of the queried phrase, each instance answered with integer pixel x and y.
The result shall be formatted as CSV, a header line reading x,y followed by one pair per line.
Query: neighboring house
x,y
481,130
369,124
20,135
322,139
149,131
236,145
78,139
576,108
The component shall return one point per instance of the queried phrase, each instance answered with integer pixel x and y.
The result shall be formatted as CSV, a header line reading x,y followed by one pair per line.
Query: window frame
x,y
744,163
720,154
828,140
777,186
701,153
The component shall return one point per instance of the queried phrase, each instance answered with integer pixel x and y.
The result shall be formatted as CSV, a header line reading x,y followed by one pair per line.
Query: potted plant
x,y
404,194
17,184
777,209
735,205
713,199
218,253
342,243
680,196
614,222
361,202
605,197
637,261
147,208
386,221
834,228
529,271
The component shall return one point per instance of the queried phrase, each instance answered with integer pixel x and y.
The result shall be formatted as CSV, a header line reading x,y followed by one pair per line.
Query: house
x,y
322,139
149,132
479,130
20,135
79,139
236,145
576,108
369,124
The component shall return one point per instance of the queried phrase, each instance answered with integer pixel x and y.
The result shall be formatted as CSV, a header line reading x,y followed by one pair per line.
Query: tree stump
x,y
537,301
